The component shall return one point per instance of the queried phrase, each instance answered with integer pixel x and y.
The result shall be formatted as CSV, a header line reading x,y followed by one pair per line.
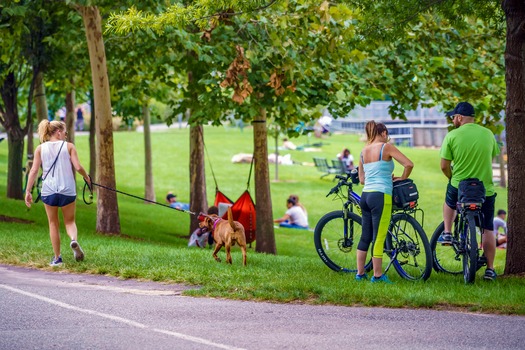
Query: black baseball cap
x,y
462,108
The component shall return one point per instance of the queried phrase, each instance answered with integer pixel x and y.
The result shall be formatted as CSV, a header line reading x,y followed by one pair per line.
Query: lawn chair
x,y
339,165
322,165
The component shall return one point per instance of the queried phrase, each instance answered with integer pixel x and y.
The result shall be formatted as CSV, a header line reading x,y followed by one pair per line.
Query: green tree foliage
x,y
268,63
138,69
299,57
436,64
25,52
396,17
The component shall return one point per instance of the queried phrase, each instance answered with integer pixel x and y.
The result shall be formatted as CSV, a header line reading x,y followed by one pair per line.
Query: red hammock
x,y
243,210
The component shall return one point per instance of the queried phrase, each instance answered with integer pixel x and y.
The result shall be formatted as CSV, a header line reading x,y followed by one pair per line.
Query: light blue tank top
x,y
378,175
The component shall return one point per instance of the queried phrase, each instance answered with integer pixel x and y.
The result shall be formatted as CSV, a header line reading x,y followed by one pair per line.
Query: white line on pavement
x,y
119,319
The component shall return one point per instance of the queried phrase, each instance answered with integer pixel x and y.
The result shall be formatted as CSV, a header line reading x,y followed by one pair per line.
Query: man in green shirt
x,y
471,148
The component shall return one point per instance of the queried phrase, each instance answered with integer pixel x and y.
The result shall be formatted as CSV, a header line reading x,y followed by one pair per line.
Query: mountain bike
x,y
337,235
462,255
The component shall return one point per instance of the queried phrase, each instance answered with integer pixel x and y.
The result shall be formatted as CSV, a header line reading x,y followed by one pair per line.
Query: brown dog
x,y
226,233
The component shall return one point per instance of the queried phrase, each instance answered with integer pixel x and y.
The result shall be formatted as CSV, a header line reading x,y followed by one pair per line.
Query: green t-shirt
x,y
471,148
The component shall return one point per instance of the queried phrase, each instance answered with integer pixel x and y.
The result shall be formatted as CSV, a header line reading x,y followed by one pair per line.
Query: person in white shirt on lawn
x,y
294,217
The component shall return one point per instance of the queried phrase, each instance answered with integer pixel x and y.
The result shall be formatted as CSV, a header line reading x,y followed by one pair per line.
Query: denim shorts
x,y
58,200
487,209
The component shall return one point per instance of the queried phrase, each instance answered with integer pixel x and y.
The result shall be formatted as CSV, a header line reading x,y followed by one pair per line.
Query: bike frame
x,y
353,199
465,210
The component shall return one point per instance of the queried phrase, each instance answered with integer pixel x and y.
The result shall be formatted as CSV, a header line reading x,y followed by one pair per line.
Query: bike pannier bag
x,y
405,194
471,191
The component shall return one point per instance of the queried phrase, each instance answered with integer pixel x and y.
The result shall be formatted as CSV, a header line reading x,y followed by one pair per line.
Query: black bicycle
x,y
462,256
337,234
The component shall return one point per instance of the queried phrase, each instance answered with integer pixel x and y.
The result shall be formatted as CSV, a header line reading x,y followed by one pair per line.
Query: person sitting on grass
x,y
347,158
298,203
499,222
294,216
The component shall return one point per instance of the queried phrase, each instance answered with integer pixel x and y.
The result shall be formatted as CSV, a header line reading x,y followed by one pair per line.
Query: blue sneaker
x,y
56,262
490,275
383,279
445,238
363,277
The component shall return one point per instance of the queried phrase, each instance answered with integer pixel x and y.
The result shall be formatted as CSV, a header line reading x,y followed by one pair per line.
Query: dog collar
x,y
216,222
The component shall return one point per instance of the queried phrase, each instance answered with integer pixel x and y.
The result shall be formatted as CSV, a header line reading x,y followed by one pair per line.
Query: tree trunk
x,y
198,197
40,97
502,165
70,116
515,116
15,149
40,104
276,156
70,122
148,162
30,140
29,119
264,228
108,221
92,146
15,137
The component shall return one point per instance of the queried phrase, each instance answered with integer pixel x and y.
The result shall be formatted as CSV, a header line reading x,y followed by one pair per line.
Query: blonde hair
x,y
373,129
47,128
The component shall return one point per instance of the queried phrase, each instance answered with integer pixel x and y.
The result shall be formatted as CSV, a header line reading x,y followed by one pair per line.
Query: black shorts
x,y
487,209
58,200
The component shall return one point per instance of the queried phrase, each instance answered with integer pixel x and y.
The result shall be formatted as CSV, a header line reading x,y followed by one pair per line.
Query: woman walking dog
x,y
56,156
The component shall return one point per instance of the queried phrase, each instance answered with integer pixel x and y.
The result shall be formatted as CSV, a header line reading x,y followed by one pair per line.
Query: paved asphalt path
x,y
56,310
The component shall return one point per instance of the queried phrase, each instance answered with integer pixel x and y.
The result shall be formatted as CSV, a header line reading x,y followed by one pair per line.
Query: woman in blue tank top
x,y
376,174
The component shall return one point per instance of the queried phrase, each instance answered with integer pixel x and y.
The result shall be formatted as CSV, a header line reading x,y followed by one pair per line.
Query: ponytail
x,y
373,129
47,128
43,130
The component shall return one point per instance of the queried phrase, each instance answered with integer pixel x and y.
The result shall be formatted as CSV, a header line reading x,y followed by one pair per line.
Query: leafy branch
x,y
179,16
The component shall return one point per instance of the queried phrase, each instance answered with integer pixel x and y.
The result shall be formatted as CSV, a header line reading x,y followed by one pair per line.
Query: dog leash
x,y
90,189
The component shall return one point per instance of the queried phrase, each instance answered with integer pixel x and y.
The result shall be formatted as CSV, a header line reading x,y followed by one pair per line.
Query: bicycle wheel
x,y
335,249
446,258
470,256
407,244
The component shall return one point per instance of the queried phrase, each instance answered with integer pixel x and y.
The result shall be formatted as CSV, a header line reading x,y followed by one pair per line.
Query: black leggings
x,y
376,212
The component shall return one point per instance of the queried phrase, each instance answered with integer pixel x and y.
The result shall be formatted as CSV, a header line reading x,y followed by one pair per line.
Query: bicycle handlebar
x,y
344,180
333,190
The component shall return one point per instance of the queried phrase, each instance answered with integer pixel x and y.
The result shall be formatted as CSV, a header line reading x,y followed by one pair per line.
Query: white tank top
x,y
60,179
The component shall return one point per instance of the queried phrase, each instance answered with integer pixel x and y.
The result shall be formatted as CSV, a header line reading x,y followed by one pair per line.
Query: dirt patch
x,y
4,218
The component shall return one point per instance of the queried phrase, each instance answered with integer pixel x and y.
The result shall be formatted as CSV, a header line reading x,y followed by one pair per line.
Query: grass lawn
x,y
153,244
